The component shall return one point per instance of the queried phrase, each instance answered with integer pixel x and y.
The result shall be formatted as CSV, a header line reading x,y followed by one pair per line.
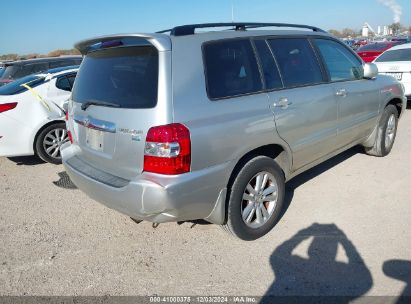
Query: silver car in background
x,y
179,125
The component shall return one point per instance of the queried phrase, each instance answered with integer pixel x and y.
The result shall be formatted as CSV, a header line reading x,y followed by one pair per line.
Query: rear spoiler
x,y
161,42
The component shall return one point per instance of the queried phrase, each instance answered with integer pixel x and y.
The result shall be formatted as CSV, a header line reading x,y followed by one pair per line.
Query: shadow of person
x,y
319,273
400,270
64,181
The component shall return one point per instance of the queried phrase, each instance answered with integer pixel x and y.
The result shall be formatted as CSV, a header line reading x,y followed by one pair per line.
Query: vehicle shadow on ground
x,y
26,160
400,270
331,266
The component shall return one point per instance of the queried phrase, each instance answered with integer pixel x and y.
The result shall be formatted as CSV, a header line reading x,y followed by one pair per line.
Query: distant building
x,y
365,30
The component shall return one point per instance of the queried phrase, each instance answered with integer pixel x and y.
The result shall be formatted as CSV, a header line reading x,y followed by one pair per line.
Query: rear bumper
x,y
153,197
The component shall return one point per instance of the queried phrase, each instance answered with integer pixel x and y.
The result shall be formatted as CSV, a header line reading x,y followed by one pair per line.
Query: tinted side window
x,y
58,64
39,67
63,83
340,62
297,61
71,79
271,75
231,68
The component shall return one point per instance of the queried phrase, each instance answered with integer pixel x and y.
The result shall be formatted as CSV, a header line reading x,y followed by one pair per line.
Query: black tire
x,y
235,202
380,148
39,145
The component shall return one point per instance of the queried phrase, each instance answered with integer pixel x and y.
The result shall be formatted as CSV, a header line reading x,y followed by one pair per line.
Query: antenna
x,y
232,10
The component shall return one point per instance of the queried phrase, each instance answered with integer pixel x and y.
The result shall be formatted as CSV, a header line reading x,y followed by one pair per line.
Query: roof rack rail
x,y
189,29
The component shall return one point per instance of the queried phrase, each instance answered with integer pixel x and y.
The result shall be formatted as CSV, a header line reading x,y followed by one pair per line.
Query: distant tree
x,y
9,57
347,32
57,53
395,27
32,56
335,33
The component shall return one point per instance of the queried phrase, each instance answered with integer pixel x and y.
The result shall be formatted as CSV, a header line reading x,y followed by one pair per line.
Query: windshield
x,y
125,76
15,86
395,55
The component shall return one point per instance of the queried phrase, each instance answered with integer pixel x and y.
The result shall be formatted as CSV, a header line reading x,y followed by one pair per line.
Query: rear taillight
x,y
168,149
7,106
70,137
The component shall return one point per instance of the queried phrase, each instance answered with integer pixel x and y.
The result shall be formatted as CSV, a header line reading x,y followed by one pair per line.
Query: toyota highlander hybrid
x,y
190,124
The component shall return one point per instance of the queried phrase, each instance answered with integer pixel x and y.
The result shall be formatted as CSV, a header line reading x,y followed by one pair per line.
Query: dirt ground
x,y
346,232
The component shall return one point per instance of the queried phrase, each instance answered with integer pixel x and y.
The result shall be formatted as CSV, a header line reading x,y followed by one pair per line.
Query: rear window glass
x,y
231,69
373,47
395,55
125,76
64,63
17,71
9,71
16,87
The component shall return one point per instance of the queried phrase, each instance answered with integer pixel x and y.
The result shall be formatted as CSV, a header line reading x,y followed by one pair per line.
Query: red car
x,y
372,50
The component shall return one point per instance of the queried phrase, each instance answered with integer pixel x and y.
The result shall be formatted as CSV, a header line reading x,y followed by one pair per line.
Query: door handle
x,y
341,92
282,103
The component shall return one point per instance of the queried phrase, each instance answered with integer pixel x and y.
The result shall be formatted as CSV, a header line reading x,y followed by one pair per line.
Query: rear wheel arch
x,y
275,151
41,129
397,103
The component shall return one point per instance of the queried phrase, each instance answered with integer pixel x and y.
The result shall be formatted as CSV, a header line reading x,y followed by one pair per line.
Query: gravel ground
x,y
345,232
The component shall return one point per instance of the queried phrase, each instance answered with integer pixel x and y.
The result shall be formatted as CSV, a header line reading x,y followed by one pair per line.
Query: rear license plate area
x,y
397,76
95,139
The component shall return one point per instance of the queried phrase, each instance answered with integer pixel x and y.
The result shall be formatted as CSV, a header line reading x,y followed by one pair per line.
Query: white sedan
x,y
31,114
397,62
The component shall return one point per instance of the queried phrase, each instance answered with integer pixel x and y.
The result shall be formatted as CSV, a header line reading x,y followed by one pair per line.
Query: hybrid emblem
x,y
136,135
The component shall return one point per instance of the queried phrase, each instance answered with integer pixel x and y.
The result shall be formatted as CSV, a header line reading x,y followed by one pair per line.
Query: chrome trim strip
x,y
96,124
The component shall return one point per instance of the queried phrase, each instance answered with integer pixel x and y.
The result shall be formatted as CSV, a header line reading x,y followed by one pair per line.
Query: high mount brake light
x,y
111,43
168,150
7,106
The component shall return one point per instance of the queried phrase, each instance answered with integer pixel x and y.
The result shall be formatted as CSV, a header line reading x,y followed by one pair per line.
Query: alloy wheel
x,y
53,140
259,200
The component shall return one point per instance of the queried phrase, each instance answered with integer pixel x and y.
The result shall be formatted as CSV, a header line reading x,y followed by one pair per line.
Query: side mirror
x,y
370,70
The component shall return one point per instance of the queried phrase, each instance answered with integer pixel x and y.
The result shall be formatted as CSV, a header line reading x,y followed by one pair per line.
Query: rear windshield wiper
x,y
85,105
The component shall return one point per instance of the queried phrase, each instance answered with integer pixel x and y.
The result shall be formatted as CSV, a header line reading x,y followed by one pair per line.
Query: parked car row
x,y
32,114
17,69
370,51
396,62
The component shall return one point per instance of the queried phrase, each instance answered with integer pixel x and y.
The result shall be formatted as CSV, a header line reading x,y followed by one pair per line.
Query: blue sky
x,y
46,25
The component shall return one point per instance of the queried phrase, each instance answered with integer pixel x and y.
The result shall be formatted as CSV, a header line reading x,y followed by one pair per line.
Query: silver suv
x,y
179,125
